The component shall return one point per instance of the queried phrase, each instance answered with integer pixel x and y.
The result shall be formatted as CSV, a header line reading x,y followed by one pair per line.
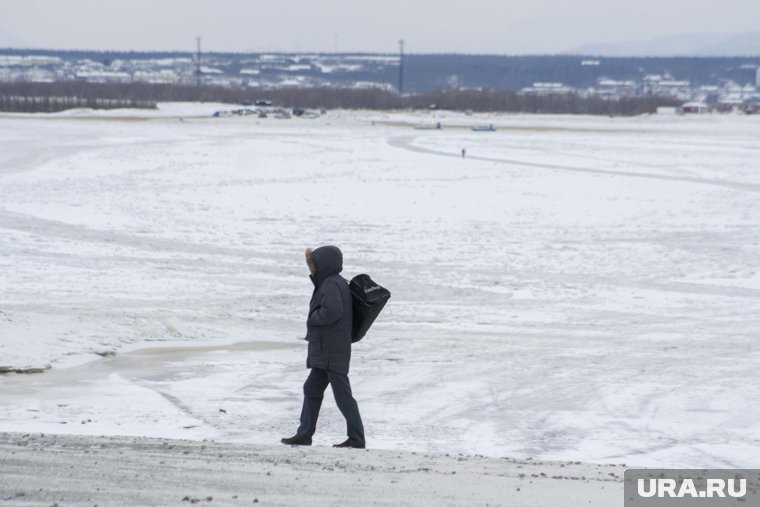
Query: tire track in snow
x,y
56,229
407,143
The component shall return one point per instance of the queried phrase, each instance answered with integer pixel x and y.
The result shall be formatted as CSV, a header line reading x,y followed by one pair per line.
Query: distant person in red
x,y
464,152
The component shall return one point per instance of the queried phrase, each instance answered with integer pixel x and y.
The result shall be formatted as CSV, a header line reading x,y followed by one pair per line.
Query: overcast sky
x,y
471,26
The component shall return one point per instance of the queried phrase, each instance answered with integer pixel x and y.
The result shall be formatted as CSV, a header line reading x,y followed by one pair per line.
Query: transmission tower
x,y
401,67
198,71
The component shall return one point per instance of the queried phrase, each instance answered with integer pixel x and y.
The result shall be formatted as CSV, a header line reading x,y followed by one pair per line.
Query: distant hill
x,y
422,72
695,44
8,40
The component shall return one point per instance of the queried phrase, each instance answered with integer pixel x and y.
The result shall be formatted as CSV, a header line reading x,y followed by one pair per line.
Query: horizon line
x,y
369,53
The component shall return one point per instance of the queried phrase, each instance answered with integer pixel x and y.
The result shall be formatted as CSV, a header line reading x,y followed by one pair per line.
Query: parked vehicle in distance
x,y
261,102
483,128
428,126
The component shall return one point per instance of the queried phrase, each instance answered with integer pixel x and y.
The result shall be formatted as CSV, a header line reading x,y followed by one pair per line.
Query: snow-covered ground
x,y
72,470
576,288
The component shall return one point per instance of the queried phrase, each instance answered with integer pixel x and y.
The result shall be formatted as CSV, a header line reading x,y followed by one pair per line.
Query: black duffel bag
x,y
368,299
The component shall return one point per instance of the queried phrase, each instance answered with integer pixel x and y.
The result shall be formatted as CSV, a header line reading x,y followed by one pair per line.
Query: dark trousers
x,y
313,393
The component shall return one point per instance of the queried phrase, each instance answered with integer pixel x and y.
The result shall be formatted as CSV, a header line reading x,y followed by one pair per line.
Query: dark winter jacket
x,y
328,327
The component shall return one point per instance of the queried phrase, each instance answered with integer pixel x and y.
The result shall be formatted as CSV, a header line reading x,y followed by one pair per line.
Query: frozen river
x,y
575,288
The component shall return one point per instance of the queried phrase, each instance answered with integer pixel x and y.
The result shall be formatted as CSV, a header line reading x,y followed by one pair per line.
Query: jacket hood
x,y
328,261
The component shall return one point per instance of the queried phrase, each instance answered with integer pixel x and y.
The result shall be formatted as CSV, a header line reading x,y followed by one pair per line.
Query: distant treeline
x,y
36,97
55,103
508,101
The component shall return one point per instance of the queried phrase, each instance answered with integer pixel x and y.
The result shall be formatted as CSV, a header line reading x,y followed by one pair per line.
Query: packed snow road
x,y
574,288
44,470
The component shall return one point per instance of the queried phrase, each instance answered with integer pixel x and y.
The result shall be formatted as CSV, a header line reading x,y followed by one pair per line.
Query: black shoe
x,y
296,440
351,444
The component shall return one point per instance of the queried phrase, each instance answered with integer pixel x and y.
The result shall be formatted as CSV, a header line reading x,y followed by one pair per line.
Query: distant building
x,y
102,76
694,108
668,111
613,88
655,84
732,95
752,106
548,89
164,76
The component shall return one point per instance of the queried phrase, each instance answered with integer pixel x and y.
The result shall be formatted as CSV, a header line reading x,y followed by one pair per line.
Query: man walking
x,y
328,331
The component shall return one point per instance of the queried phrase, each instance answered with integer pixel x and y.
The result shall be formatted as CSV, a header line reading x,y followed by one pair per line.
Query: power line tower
x,y
198,71
401,67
